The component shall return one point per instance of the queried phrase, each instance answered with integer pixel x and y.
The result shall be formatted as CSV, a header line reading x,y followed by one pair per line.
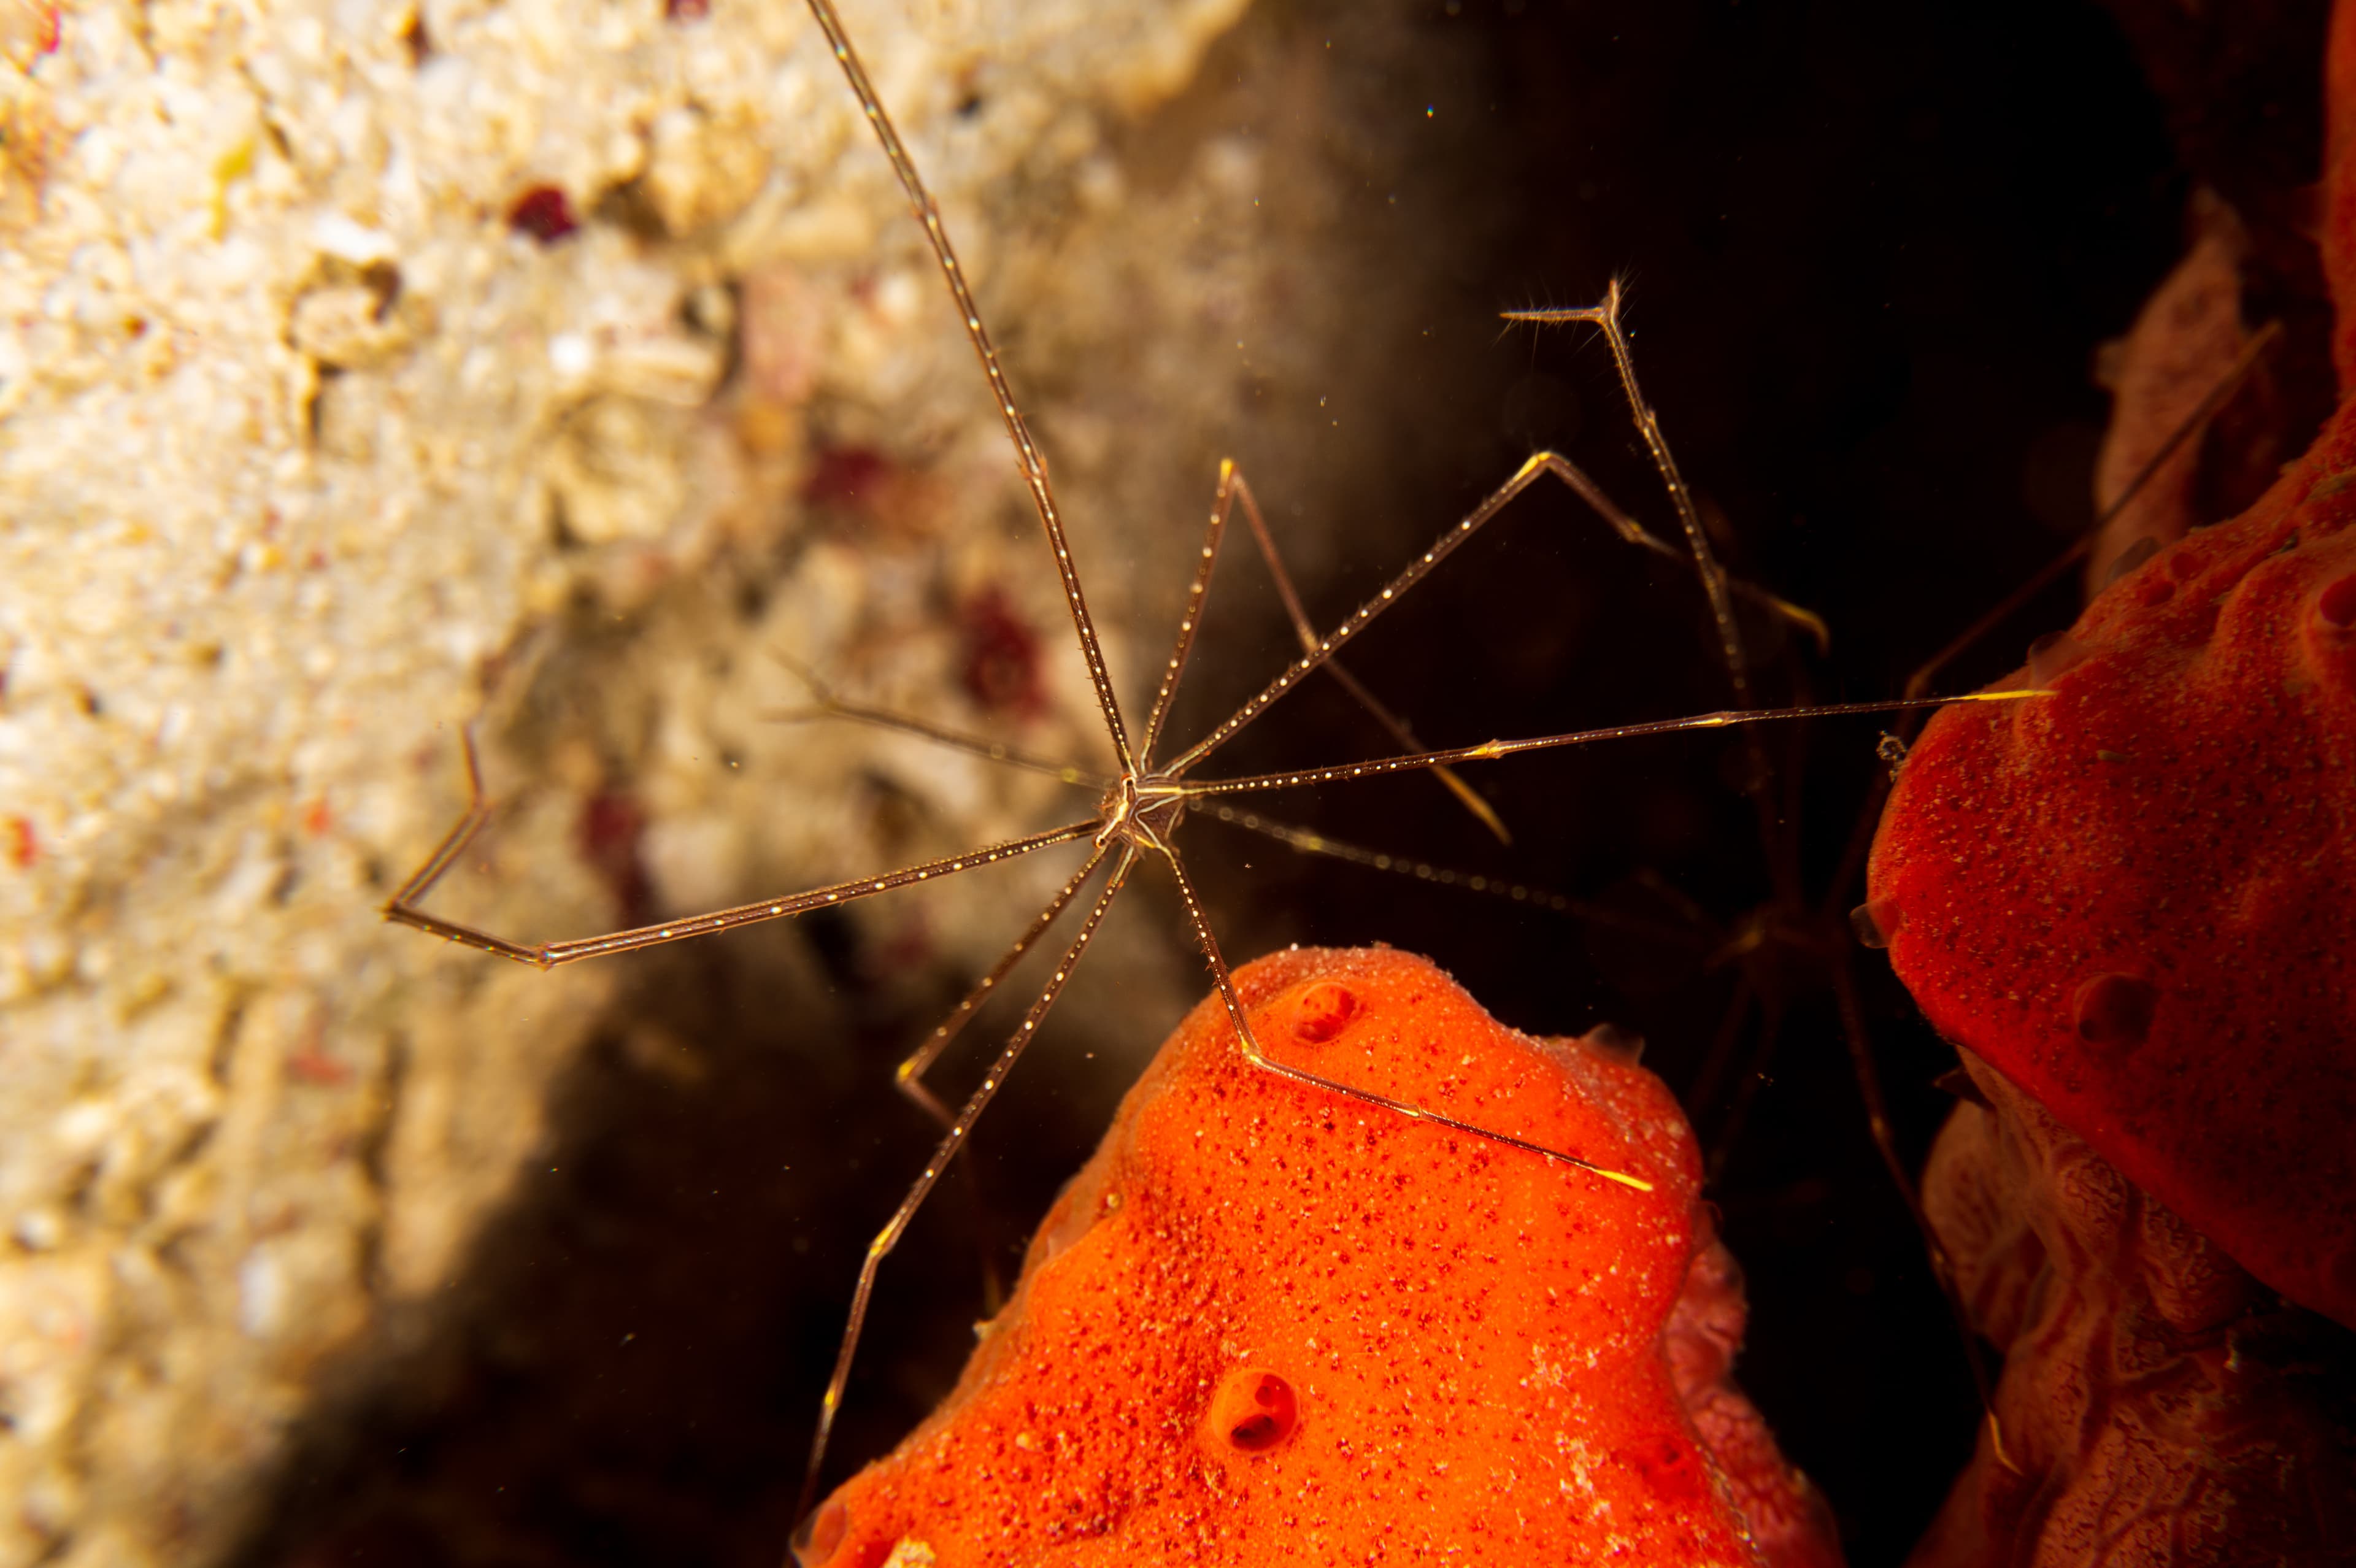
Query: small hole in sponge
x,y
1253,1411
2337,603
2115,1011
1323,1011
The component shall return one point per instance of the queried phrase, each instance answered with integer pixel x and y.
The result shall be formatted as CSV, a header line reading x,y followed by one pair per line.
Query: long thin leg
x,y
402,907
1885,1144
1259,1058
1635,533
889,1237
454,843
1840,891
1868,1078
909,1077
1648,424
1704,1090
1746,1087
1234,489
1327,646
2210,402
1489,750
1538,464
1861,836
1230,481
1034,467
1306,632
1309,843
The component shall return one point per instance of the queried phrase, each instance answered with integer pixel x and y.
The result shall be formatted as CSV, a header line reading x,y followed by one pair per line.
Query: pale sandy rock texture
x,y
311,450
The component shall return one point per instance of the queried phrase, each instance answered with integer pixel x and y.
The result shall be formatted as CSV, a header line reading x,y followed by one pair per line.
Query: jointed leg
x,y
1327,646
2211,403
1861,836
1635,533
1259,1058
1885,1144
1307,633
889,1237
402,909
909,1076
1230,482
1322,649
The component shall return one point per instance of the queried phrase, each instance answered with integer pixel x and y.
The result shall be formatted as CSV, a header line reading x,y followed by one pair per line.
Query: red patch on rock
x,y
998,656
611,828
846,477
544,212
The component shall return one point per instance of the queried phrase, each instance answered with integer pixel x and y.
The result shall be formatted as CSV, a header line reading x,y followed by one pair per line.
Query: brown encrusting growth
x,y
1272,1324
2156,1407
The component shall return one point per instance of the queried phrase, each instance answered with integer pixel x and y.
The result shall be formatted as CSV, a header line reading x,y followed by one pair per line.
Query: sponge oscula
x,y
1268,1323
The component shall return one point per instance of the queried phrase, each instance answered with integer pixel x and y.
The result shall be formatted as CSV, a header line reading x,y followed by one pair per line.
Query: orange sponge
x,y
1270,1324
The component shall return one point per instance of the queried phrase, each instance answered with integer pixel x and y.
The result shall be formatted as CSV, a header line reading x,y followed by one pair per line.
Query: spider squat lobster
x,y
1142,805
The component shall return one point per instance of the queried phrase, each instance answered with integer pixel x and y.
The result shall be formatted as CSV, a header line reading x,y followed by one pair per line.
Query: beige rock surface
x,y
310,455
